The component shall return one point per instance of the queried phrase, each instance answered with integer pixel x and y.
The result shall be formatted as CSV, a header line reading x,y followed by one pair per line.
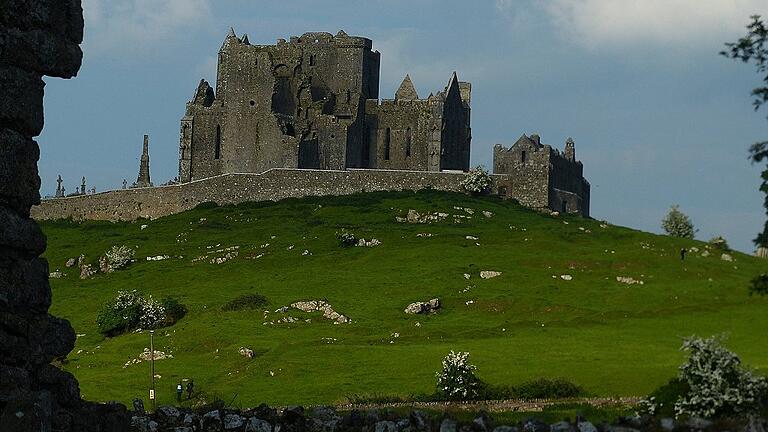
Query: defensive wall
x,y
274,185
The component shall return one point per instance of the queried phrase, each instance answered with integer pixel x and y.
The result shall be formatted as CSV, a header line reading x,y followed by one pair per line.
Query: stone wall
x,y
37,37
275,184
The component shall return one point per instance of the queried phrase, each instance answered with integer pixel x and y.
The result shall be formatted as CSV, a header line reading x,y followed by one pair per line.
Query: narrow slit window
x,y
523,156
408,142
217,150
387,142
311,59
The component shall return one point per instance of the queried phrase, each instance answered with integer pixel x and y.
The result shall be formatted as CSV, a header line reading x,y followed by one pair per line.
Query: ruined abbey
x,y
304,117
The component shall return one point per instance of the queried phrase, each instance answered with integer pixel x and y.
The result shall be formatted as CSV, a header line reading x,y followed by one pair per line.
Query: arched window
x,y
217,150
387,142
408,142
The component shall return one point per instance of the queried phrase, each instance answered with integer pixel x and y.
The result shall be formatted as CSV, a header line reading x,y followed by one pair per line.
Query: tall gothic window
x,y
523,156
387,142
217,150
408,142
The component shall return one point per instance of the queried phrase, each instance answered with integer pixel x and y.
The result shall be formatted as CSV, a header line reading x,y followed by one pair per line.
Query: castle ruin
x,y
312,102
303,117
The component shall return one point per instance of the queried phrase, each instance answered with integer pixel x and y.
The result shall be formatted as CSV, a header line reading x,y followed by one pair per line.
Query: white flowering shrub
x,y
457,379
152,314
719,385
130,310
119,256
477,181
677,224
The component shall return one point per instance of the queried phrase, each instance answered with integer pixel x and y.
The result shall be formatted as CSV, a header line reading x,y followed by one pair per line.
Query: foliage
x,y
477,181
754,47
346,238
719,243
678,224
129,310
457,380
120,256
719,385
662,401
759,285
245,301
548,389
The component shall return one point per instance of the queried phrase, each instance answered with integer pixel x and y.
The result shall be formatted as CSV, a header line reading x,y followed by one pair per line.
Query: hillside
x,y
612,338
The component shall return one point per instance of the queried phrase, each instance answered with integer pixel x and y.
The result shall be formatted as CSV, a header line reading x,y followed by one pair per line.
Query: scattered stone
x,y
71,262
628,280
86,271
246,352
423,307
415,217
158,258
469,237
321,306
726,257
566,277
372,243
56,275
424,235
467,276
487,214
705,253
488,274
305,253
143,227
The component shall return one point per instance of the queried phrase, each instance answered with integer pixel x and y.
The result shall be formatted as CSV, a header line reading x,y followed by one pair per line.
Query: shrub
x,y
719,385
677,224
246,301
719,243
548,389
662,401
119,256
129,310
457,379
477,181
174,311
346,238
759,285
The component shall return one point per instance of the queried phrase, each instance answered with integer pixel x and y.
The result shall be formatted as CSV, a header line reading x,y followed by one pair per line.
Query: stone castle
x,y
303,117
312,102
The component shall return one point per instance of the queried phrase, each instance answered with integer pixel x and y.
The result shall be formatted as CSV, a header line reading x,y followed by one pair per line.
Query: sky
x,y
658,117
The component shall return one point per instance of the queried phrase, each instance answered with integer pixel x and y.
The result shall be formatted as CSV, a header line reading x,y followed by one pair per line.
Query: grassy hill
x,y
612,338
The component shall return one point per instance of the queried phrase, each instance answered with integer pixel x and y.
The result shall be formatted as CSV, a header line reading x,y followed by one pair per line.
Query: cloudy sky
x,y
658,117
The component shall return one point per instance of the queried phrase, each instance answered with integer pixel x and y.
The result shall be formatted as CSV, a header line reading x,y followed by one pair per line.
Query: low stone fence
x,y
274,185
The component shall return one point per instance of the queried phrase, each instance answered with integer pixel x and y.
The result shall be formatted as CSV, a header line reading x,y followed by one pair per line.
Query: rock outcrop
x,y
37,38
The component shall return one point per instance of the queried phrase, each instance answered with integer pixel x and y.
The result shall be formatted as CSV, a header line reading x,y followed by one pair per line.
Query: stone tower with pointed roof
x,y
313,102
143,180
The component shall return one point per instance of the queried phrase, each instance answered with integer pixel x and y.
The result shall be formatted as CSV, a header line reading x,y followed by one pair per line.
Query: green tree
x,y
678,224
754,48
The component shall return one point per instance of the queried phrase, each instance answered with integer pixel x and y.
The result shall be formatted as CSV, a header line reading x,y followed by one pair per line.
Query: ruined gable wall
x,y
568,176
399,117
455,139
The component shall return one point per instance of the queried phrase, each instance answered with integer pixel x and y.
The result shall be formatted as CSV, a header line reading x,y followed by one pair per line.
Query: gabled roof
x,y
406,91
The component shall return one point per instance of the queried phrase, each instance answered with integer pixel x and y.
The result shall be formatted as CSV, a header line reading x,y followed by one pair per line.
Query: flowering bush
x,y
719,385
477,181
457,380
130,310
346,238
719,243
677,224
119,256
152,314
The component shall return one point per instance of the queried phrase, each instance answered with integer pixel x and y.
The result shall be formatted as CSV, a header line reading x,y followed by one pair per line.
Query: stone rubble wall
x,y
37,38
274,185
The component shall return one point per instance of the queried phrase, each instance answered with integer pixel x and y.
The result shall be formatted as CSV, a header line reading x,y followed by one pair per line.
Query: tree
x,y
754,48
678,224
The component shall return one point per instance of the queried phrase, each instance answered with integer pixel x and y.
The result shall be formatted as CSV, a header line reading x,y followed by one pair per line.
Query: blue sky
x,y
658,117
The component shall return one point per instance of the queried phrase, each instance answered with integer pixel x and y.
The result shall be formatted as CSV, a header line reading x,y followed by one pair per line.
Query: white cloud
x,y
610,23
142,26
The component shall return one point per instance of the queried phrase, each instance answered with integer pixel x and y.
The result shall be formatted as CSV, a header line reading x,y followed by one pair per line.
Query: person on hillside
x,y
190,387
682,254
179,390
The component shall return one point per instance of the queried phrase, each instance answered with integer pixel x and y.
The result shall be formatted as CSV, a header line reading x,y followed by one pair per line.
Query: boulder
x,y
448,425
585,426
385,426
422,307
233,422
257,425
488,274
562,426
505,429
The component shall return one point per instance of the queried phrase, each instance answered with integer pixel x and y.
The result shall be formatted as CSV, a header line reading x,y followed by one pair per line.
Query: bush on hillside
x,y
457,380
119,256
719,384
477,181
759,285
662,401
719,243
244,302
543,388
677,224
346,238
129,310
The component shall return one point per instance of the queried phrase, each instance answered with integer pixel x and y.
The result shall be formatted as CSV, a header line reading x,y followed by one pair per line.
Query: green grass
x,y
610,338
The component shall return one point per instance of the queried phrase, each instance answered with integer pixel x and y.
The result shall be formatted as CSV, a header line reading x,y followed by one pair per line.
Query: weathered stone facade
x,y
540,176
312,102
37,37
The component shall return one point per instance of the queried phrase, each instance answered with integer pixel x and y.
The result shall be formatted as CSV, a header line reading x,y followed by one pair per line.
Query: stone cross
x,y
59,190
125,184
82,189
